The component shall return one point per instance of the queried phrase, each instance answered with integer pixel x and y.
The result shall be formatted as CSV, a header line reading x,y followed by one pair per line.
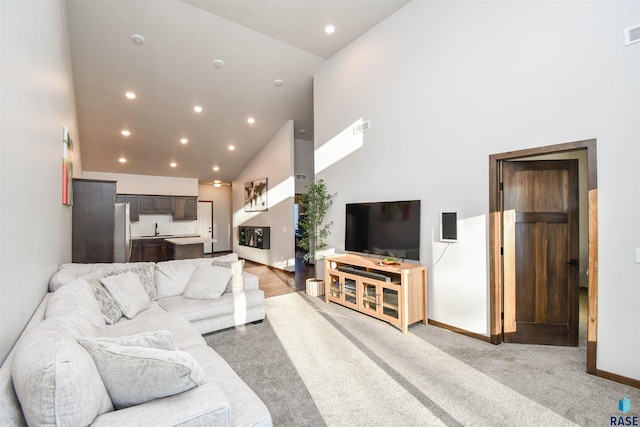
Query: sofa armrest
x,y
250,281
205,405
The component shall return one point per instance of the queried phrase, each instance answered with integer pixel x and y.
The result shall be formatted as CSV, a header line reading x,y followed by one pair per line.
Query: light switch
x,y
637,255
284,229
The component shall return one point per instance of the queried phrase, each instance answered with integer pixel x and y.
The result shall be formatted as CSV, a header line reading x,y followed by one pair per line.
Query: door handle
x,y
573,262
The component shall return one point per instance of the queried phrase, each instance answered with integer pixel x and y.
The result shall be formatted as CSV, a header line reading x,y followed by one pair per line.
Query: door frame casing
x,y
211,203
496,266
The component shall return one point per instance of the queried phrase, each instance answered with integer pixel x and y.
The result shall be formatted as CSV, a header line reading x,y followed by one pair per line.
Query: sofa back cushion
x,y
76,301
70,271
172,276
56,380
207,282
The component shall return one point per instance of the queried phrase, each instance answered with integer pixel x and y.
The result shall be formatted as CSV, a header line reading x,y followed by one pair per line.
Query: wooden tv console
x,y
395,293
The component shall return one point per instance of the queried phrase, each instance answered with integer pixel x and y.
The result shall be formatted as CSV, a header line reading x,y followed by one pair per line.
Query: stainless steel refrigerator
x,y
122,233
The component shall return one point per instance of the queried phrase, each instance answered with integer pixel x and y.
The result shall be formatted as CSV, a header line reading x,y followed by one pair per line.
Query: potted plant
x,y
315,204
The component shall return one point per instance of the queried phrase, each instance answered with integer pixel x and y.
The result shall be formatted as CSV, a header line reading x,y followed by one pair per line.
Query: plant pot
x,y
315,287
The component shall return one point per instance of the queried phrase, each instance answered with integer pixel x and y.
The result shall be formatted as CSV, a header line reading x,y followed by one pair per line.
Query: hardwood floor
x,y
274,281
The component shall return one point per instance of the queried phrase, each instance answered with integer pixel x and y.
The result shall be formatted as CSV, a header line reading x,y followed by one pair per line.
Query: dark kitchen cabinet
x,y
165,204
156,204
147,204
136,250
134,208
148,250
93,221
185,208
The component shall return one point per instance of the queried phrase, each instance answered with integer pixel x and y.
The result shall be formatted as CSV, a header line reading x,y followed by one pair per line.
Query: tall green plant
x,y
315,202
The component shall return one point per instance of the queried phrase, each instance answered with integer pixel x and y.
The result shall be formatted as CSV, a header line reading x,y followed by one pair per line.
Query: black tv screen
x,y
384,229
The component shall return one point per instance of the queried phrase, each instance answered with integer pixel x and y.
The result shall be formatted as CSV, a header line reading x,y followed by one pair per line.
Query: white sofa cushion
x,y
207,282
133,374
145,271
128,293
76,299
70,271
236,284
182,331
228,303
172,277
159,339
56,380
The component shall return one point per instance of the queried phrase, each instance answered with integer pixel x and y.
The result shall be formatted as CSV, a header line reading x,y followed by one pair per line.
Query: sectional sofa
x,y
121,344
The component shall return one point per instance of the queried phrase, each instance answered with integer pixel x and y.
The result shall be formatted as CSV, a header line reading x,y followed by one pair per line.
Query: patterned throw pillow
x,y
109,308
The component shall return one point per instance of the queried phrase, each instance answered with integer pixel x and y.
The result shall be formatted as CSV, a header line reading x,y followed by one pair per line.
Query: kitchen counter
x,y
186,247
164,236
190,240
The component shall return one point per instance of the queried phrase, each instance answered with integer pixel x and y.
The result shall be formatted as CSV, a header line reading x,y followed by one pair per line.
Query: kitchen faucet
x,y
156,229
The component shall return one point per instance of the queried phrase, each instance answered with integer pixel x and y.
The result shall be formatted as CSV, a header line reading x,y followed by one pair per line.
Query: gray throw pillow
x,y
134,375
207,282
128,293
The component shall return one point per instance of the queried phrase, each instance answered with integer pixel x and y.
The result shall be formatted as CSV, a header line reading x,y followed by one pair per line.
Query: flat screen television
x,y
384,229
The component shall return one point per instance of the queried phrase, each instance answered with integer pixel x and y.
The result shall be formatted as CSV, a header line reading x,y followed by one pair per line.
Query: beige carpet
x,y
314,364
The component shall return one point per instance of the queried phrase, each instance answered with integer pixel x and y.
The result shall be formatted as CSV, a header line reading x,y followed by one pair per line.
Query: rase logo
x,y
624,406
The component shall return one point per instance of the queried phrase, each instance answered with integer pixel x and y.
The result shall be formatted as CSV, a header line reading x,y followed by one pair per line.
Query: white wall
x,y
37,100
446,84
221,198
148,184
274,162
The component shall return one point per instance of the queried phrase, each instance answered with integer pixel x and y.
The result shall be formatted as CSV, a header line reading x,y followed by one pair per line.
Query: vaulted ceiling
x,y
236,59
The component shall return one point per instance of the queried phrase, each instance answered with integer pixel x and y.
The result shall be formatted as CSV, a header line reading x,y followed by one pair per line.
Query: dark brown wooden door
x,y
541,252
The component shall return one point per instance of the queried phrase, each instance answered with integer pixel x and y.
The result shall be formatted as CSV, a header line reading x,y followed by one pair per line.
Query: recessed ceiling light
x,y
232,147
184,140
137,39
218,63
197,109
216,168
125,133
173,164
122,160
278,83
130,95
251,120
329,29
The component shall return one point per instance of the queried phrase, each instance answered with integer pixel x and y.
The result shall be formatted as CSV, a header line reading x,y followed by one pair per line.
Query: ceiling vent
x,y
301,177
632,35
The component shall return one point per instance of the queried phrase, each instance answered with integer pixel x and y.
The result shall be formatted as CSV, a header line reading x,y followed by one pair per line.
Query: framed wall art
x,y
255,195
67,168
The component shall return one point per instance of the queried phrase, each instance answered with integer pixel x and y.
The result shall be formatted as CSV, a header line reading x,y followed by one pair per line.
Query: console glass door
x,y
334,287
390,299
350,291
369,297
